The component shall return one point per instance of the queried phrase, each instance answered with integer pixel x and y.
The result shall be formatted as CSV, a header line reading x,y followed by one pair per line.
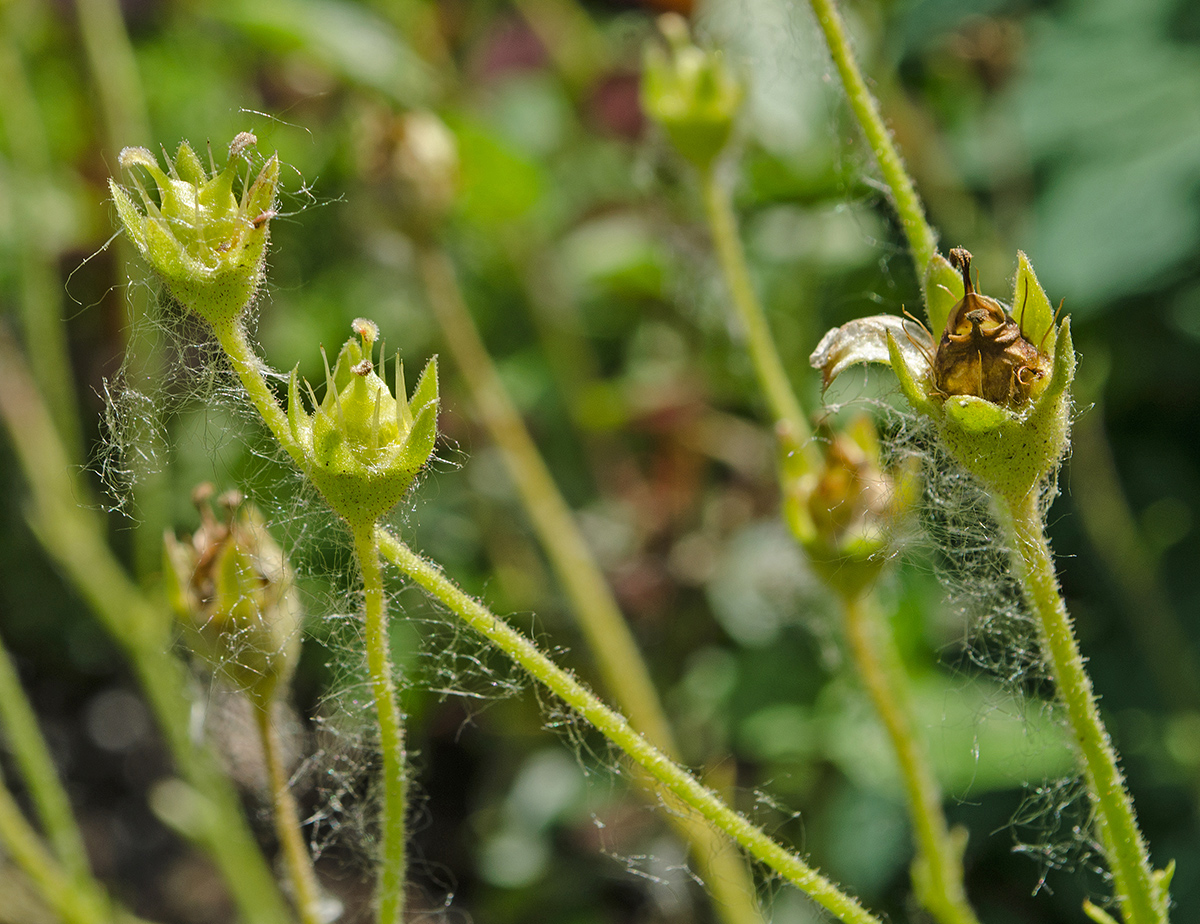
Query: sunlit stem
x,y
1138,895
921,238
618,730
389,891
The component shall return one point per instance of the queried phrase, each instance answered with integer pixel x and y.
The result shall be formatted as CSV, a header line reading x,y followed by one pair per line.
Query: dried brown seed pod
x,y
984,352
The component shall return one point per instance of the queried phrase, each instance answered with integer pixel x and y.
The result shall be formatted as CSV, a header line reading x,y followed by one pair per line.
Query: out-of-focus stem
x,y
938,874
921,238
40,291
618,657
64,523
773,378
1138,895
306,895
32,756
1113,531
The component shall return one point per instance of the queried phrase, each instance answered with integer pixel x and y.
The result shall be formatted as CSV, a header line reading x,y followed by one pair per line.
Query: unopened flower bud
x,y
206,242
843,512
691,92
363,446
235,596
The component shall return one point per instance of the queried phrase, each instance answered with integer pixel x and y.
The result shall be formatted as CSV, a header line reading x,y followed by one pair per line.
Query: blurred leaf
x,y
499,184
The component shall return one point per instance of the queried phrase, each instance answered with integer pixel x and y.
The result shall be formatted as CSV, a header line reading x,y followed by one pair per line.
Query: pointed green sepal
x,y
1097,914
1030,306
913,393
426,392
943,290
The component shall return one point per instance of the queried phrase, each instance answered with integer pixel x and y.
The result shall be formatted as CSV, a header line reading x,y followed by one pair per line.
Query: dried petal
x,y
865,340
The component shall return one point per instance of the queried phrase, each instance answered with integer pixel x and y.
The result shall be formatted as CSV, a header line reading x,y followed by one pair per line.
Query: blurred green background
x,y
1070,130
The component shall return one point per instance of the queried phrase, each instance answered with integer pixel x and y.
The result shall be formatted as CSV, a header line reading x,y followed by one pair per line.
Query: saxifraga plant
x,y
993,380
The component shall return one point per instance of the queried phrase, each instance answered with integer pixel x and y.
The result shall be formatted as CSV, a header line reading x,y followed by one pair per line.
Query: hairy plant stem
x,y
772,377
622,667
306,895
937,871
1140,898
63,521
389,891
618,731
921,238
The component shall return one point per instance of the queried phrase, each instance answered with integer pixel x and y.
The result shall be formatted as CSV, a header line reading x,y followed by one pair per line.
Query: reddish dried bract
x,y
983,351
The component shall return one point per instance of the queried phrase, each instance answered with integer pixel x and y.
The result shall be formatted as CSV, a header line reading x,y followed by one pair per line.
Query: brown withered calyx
x,y
984,352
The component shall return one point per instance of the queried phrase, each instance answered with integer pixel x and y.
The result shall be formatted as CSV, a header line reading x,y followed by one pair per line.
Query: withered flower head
x,y
984,352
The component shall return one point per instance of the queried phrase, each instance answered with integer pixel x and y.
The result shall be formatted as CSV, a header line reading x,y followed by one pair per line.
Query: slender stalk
x,y
938,874
74,902
921,238
392,861
250,371
306,895
785,407
74,538
622,667
618,730
1139,896
39,774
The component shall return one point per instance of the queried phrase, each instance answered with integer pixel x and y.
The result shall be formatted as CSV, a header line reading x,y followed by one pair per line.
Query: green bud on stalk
x,y
691,92
363,447
235,596
207,243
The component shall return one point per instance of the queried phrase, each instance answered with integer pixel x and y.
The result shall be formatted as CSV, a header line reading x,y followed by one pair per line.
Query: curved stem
x,y
938,874
622,667
921,238
617,730
773,378
1139,896
305,893
389,892
231,338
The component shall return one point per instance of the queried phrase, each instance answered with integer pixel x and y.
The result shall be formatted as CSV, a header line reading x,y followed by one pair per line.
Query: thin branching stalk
x,y
872,649
389,892
622,667
1139,896
939,853
617,730
921,238
75,540
306,895
772,377
30,753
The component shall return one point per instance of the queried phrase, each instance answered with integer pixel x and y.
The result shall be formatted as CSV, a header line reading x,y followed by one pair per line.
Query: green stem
x,y
776,385
64,523
617,730
392,861
73,901
1139,896
921,238
306,895
29,750
938,873
231,338
622,667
